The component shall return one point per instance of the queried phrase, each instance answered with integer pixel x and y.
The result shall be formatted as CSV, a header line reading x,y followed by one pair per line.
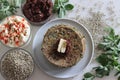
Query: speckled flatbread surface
x,y
74,51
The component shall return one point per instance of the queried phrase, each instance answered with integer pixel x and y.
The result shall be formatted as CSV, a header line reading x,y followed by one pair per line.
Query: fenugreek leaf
x,y
111,31
7,8
59,7
110,55
102,71
88,76
69,7
61,13
103,59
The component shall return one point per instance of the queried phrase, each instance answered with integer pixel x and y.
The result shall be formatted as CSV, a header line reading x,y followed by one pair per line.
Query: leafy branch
x,y
8,8
60,7
108,60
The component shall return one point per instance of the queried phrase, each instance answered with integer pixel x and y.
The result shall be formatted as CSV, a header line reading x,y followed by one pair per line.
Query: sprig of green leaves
x,y
109,58
8,8
60,7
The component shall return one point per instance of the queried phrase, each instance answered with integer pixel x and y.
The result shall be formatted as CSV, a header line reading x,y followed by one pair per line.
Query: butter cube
x,y
62,46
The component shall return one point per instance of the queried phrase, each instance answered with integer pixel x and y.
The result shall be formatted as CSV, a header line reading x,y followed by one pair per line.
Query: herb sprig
x,y
60,7
8,7
108,59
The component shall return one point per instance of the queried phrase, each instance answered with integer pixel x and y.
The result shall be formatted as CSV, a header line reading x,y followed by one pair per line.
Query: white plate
x,y
49,68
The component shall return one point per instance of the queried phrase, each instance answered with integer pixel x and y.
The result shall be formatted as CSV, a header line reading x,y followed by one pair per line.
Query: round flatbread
x,y
75,45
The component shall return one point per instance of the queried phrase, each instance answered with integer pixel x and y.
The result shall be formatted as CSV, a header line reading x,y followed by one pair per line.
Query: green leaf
x,y
117,39
112,32
88,76
104,46
117,67
103,59
111,35
102,71
69,7
61,13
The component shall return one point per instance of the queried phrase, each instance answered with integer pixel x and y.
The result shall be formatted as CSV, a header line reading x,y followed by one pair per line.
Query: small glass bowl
x,y
36,23
29,38
7,52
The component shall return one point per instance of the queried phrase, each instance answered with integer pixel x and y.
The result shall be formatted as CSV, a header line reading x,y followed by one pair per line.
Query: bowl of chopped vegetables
x,y
15,31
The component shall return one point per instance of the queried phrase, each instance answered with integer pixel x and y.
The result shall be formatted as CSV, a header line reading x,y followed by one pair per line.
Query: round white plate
x,y
55,71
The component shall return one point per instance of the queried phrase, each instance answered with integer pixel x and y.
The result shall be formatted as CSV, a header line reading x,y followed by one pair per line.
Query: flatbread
x,y
75,48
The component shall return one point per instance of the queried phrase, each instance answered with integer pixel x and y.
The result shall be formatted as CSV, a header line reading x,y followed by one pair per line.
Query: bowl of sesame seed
x,y
16,64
